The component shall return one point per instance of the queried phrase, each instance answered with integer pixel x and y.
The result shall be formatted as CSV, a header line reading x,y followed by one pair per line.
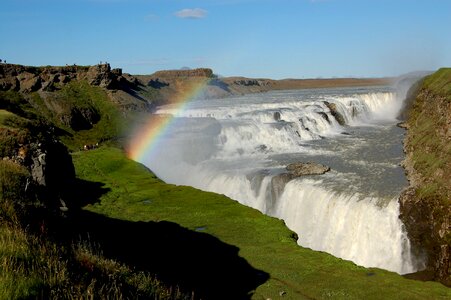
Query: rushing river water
x,y
238,146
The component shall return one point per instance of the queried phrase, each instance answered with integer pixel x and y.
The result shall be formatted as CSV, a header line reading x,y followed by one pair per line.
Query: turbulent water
x,y
238,146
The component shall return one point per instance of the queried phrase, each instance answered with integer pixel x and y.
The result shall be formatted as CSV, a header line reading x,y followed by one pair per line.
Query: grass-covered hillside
x,y
426,206
430,136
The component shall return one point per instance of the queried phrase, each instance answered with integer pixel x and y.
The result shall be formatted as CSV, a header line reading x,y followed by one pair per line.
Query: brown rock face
x,y
100,75
31,79
29,82
201,72
51,171
80,118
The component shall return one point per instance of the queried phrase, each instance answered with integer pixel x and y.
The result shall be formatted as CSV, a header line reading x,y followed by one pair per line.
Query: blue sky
x,y
254,38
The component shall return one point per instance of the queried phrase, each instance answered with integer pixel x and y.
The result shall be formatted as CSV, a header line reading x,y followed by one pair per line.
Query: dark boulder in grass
x,y
52,174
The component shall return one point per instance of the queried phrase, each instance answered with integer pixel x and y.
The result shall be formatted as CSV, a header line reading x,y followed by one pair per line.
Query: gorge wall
x,y
426,205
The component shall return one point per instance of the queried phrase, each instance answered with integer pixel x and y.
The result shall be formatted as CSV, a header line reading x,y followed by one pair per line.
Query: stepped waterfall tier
x,y
241,147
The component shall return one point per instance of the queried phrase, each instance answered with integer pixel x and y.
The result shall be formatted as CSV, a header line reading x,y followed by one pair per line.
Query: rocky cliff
x,y
47,173
85,104
49,78
124,89
426,205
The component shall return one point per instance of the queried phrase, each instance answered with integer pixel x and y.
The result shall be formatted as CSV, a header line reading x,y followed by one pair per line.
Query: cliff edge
x,y
425,207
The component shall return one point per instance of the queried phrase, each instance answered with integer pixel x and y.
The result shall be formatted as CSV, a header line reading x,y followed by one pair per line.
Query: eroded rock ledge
x,y
28,79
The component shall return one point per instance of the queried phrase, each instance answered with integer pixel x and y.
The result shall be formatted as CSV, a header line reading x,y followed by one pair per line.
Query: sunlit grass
x,y
429,147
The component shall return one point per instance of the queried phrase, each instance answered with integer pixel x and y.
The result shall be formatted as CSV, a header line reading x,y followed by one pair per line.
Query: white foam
x,y
232,159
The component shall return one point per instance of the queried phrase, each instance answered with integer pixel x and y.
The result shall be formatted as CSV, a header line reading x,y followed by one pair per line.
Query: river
x,y
238,146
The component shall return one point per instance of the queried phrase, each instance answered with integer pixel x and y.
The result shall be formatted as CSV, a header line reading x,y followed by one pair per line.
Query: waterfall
x,y
240,147
362,230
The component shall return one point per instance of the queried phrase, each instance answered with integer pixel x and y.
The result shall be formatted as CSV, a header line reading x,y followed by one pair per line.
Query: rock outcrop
x,y
335,113
425,206
31,79
309,168
80,118
201,72
49,164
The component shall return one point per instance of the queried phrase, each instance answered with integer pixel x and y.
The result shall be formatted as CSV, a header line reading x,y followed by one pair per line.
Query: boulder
x,y
335,113
49,173
52,172
309,168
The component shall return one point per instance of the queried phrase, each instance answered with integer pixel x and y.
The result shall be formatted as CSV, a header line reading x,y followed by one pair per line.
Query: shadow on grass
x,y
87,192
196,262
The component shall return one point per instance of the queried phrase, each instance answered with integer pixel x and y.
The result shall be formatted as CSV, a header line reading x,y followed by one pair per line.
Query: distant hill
x,y
170,83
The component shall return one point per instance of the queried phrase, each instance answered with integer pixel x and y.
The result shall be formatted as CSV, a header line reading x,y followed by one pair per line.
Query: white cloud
x,y
191,13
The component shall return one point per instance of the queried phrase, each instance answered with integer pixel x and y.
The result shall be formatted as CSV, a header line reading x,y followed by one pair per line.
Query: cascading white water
x,y
239,147
351,228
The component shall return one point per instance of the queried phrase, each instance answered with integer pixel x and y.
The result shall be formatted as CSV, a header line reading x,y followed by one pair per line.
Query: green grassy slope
x,y
440,82
52,108
81,95
428,138
264,242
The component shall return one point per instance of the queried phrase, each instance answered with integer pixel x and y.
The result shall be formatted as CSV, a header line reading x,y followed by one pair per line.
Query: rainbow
x,y
146,139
